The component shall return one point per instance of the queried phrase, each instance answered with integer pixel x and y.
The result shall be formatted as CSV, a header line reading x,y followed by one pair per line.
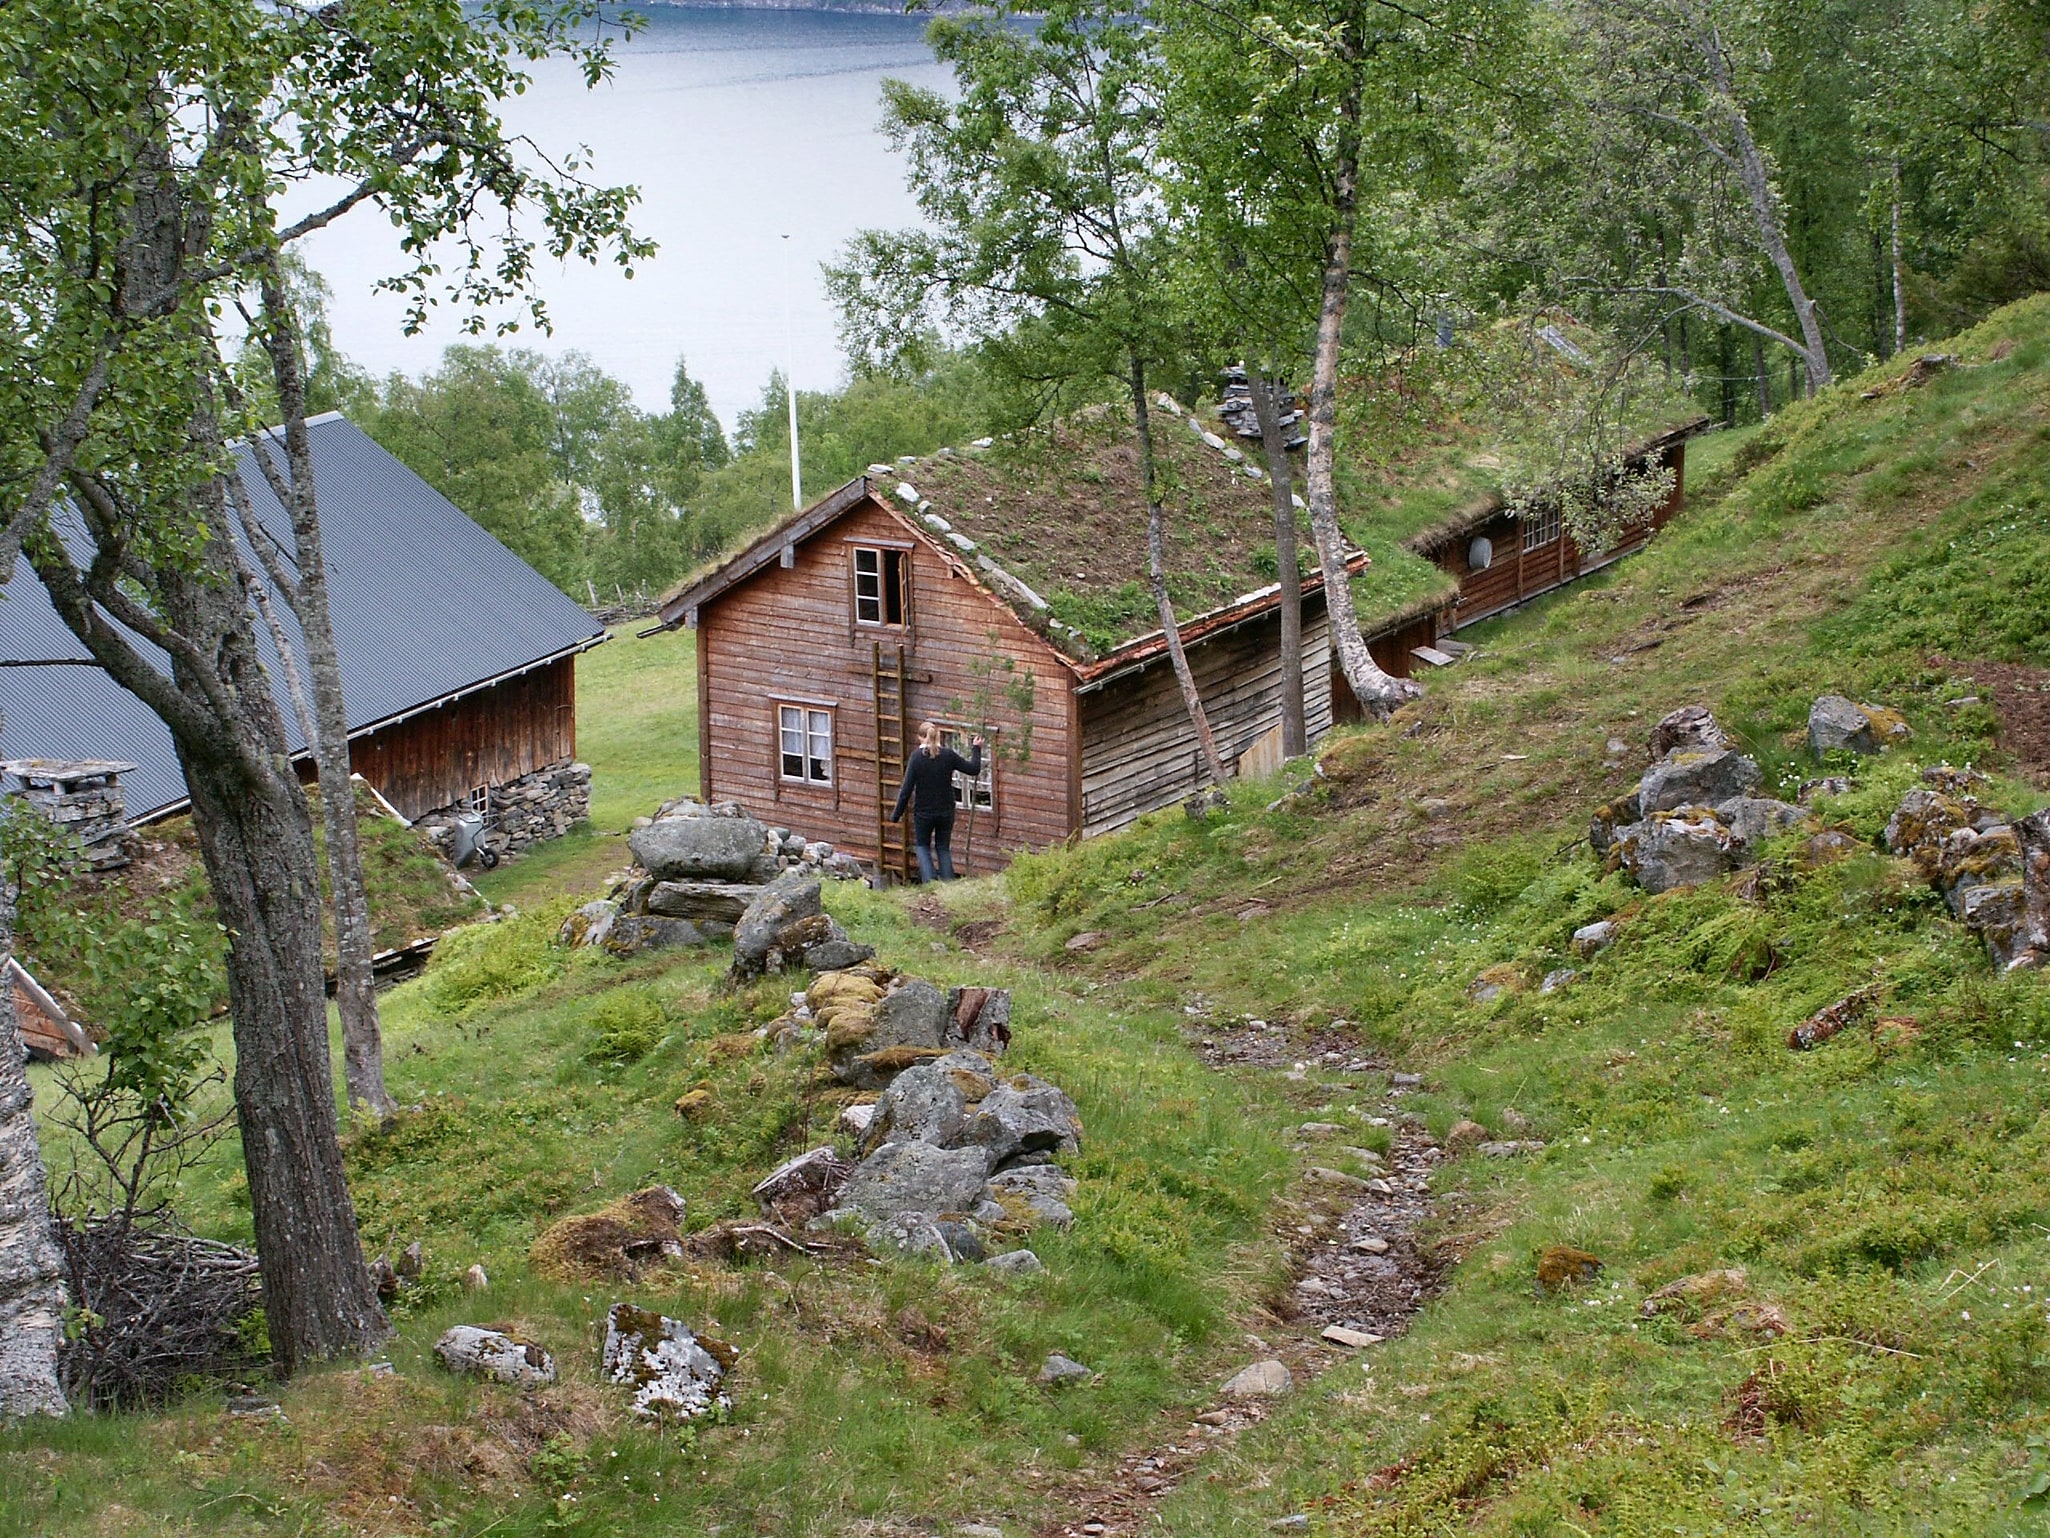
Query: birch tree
x,y
1047,234
147,144
32,1290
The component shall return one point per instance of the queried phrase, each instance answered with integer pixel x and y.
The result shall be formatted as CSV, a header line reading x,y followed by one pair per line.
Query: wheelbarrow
x,y
466,841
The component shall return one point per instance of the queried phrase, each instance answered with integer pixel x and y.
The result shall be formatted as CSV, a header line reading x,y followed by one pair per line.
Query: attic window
x,y
1540,527
878,586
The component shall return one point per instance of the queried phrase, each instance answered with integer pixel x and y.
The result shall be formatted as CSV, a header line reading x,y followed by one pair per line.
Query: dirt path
x,y
1358,1265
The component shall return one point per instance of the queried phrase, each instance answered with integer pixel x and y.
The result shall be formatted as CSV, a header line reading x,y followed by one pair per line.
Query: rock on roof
x,y
426,605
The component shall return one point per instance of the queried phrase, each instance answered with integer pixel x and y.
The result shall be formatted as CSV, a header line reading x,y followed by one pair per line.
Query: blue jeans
x,y
934,837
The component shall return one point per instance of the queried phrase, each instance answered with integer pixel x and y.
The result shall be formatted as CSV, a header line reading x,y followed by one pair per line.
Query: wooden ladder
x,y
893,839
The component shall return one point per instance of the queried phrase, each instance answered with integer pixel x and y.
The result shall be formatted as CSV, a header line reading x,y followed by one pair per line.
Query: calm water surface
x,y
752,137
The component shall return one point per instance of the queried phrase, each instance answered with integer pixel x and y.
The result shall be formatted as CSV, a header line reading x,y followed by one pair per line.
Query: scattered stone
x,y
981,1019
475,1280
255,1407
1434,808
1609,821
1463,1135
472,1351
1561,1266
692,1104
1319,1129
1557,979
929,1102
1340,1335
1592,939
1836,724
1204,802
672,1372
1059,1371
590,924
1318,1173
1826,785
1034,1195
1371,1244
1406,1080
803,1187
1691,727
1214,1418
962,1242
1495,982
878,1024
1269,1379
977,1530
1752,820
1015,1263
1510,1149
1024,1115
1298,1522
1087,940
1615,753
631,934
1669,850
412,1260
1831,1019
854,1120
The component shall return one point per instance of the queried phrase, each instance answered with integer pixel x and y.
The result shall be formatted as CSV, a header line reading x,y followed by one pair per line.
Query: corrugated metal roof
x,y
426,605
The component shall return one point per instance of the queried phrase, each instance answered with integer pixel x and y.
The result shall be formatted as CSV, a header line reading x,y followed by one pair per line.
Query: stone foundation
x,y
83,799
542,805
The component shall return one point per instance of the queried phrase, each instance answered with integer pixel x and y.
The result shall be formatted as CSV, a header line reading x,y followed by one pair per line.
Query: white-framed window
x,y
804,743
983,792
878,585
479,800
1540,527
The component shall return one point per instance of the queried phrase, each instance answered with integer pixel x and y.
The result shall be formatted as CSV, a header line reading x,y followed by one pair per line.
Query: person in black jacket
x,y
929,791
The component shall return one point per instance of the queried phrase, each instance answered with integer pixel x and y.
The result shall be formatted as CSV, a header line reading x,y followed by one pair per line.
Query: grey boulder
x,y
696,848
929,1103
1836,724
633,933
670,1373
1691,727
723,901
1025,1115
1015,1263
1696,777
476,1352
1752,820
916,1177
590,924
1672,850
1040,1190
1059,1371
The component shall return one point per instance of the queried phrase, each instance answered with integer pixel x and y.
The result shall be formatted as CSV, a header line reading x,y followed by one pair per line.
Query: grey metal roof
x,y
426,605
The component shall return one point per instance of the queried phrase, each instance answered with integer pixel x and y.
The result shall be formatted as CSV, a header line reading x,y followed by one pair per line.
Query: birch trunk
x,y
32,1292
1156,574
1287,566
1758,189
355,984
1378,693
1900,271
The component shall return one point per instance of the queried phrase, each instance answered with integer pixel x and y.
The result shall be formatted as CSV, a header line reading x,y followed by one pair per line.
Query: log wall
x,y
788,635
1139,751
492,737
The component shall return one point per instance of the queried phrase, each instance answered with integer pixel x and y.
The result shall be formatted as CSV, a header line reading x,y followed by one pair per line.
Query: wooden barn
x,y
1501,558
458,659
994,590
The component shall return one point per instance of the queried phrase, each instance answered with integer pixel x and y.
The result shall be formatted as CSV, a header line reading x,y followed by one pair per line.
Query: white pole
x,y
790,395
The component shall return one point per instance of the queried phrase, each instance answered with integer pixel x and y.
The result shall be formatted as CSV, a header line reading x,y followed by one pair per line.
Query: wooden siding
x,y
1516,575
1139,751
788,634
491,737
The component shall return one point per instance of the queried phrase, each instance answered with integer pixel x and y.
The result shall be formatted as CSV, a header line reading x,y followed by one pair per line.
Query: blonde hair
x,y
929,736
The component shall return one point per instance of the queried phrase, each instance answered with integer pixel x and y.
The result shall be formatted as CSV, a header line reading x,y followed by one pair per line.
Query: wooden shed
x,y
1502,557
996,590
47,1029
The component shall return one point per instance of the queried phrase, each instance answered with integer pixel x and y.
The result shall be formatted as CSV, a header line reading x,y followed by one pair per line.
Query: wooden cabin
x,y
458,659
996,591
1502,557
47,1029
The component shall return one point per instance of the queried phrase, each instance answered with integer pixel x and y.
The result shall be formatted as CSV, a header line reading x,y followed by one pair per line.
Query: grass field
x,y
1883,1366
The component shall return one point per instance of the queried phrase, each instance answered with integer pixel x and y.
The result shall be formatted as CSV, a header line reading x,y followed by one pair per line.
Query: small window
x,y
479,800
878,586
1540,527
805,743
983,793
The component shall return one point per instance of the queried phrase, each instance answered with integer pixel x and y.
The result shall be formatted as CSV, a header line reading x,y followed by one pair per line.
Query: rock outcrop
x,y
478,1352
1838,725
1994,875
1695,814
672,1373
786,926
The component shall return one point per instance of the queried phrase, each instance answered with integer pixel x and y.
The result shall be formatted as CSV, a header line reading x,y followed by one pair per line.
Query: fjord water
x,y
752,136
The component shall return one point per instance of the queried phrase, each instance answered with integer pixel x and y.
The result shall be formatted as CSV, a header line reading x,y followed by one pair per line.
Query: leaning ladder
x,y
893,839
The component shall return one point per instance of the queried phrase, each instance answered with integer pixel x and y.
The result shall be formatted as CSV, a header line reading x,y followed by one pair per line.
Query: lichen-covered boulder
x,y
1968,858
633,933
1923,820
1697,777
476,1352
1034,1194
1024,1115
1836,724
786,926
1752,820
1677,849
700,846
672,1373
1610,820
1999,912
1691,727
590,924
930,1102
905,1025
916,1177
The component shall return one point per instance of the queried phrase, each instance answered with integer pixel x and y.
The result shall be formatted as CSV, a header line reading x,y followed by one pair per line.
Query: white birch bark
x,y
32,1295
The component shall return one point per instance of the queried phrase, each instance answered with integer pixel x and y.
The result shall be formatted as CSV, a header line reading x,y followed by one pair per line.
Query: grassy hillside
x,y
1882,1367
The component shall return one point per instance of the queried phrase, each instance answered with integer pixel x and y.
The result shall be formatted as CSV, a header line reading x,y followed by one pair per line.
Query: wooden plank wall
x,y
487,738
1517,575
1139,751
789,634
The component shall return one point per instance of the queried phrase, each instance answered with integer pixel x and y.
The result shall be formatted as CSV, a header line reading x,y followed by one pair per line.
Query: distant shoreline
x,y
846,7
